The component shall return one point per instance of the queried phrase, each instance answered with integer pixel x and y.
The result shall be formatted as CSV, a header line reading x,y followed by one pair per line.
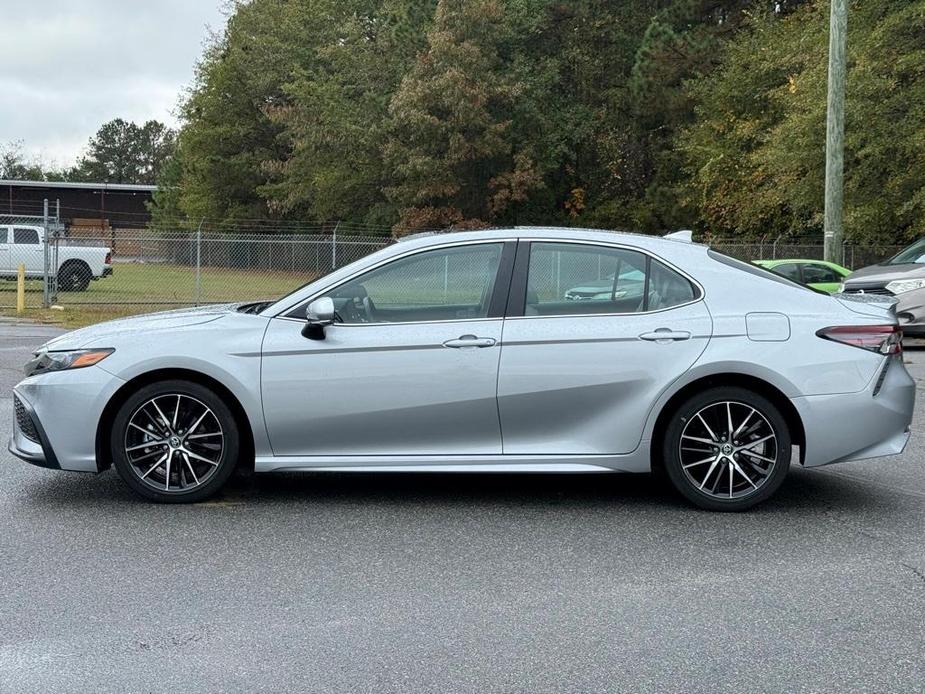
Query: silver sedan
x,y
465,353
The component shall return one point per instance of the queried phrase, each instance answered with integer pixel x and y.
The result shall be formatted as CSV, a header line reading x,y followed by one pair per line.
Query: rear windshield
x,y
756,270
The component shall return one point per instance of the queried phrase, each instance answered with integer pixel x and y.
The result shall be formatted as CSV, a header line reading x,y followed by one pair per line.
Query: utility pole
x,y
835,133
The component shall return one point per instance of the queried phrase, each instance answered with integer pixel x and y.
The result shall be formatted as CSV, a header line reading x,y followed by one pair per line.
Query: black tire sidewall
x,y
80,273
712,396
229,427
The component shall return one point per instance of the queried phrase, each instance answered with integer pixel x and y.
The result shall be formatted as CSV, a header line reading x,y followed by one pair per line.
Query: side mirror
x,y
319,313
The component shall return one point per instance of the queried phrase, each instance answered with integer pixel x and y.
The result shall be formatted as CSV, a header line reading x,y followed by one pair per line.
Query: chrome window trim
x,y
620,246
416,251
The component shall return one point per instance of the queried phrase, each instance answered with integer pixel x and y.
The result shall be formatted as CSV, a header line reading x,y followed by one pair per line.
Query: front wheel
x,y
175,441
727,449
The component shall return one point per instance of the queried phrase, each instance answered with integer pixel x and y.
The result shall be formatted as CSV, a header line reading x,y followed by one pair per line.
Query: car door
x,y
409,368
26,249
580,376
6,266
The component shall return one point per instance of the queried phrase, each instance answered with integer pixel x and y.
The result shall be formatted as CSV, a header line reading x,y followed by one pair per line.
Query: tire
x,y
74,276
199,441
752,465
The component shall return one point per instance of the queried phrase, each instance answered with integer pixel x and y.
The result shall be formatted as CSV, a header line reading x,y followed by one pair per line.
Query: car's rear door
x,y
580,376
410,368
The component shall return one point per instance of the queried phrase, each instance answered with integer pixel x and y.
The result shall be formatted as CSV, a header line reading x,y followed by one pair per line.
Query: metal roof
x,y
127,187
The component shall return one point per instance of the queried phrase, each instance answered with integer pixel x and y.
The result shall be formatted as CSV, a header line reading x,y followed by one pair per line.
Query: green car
x,y
818,274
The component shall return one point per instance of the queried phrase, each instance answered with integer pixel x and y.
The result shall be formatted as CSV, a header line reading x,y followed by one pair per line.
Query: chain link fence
x,y
855,256
120,272
103,273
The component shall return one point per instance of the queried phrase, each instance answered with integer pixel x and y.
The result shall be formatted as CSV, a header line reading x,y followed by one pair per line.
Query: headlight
x,y
43,362
903,286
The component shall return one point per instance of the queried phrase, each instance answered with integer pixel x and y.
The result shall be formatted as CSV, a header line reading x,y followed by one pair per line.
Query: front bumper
x,y
65,409
871,423
29,441
910,310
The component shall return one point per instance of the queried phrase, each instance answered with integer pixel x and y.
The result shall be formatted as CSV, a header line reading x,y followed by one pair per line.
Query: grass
x,y
135,288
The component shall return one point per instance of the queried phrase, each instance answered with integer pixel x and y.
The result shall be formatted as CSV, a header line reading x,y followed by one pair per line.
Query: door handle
x,y
665,335
469,341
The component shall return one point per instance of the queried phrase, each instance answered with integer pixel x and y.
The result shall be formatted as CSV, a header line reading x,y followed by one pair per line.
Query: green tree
x,y
124,152
335,120
755,154
451,150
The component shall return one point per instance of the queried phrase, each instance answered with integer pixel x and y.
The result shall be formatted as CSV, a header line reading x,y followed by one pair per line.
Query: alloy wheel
x,y
728,450
174,443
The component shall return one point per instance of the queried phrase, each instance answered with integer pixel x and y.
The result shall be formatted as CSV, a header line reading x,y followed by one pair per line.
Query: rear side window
x,y
578,279
25,236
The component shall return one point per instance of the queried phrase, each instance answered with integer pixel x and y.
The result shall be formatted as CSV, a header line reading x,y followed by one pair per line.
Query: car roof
x,y
543,233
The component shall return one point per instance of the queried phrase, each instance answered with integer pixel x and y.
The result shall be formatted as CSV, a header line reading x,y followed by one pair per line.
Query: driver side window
x,y
443,284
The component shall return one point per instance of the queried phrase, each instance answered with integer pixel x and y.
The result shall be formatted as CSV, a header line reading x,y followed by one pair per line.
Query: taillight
x,y
108,260
883,339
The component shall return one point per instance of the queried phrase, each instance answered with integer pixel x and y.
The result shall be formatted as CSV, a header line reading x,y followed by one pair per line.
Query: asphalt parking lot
x,y
441,583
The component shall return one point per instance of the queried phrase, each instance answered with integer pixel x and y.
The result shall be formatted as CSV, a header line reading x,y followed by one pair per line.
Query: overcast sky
x,y
68,66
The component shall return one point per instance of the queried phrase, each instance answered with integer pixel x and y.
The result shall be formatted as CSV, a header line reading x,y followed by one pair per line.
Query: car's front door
x,y
409,368
6,266
579,373
26,249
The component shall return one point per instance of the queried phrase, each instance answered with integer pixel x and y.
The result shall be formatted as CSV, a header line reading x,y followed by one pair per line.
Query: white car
x,y
74,267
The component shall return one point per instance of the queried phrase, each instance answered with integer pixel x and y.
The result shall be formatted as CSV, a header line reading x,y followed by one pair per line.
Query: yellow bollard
x,y
21,289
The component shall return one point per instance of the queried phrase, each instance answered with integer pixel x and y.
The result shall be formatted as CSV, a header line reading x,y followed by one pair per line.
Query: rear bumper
x,y
107,271
872,423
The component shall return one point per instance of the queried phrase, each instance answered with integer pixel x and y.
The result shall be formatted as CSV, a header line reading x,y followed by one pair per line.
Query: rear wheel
x,y
175,441
74,276
727,449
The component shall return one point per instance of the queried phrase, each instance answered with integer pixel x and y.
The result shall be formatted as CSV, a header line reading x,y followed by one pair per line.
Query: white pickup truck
x,y
22,244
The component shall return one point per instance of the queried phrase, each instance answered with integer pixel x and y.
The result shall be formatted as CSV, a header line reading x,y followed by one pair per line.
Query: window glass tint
x,y
570,279
789,270
667,288
818,274
21,235
443,284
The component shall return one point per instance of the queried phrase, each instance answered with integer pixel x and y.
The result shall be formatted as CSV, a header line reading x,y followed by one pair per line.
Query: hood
x,y
882,274
103,334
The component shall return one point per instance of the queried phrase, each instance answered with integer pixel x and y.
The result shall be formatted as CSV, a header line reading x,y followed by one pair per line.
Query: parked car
x,y
462,353
818,274
901,277
74,266
630,281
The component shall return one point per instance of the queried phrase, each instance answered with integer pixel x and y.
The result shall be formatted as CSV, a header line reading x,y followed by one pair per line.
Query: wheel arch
x,y
740,380
79,262
103,457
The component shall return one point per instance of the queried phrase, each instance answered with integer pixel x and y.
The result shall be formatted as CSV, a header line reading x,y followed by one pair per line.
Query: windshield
x,y
914,254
